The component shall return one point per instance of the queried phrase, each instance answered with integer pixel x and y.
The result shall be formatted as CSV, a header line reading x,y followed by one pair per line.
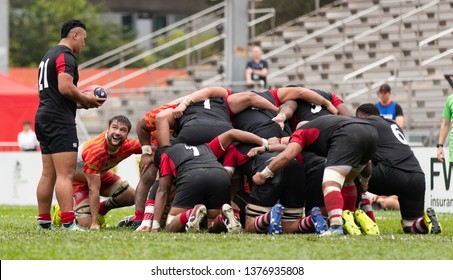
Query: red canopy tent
x,y
18,103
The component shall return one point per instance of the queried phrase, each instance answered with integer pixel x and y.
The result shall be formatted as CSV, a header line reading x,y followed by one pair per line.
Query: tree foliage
x,y
35,27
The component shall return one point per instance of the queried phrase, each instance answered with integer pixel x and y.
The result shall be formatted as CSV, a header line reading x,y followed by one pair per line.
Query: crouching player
x,y
94,178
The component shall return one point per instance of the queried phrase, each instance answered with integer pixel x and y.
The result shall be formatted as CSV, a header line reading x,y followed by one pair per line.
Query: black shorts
x,y
408,186
353,145
208,186
56,138
200,131
286,187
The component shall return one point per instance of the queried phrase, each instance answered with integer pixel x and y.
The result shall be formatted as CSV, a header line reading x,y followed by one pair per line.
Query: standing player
x,y
396,171
347,143
55,122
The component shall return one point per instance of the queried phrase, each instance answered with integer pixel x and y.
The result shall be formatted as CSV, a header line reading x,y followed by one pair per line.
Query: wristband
x,y
440,145
146,149
264,142
267,173
267,148
156,225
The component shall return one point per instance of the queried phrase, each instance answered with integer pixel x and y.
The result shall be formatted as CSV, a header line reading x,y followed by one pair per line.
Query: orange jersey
x,y
150,120
96,158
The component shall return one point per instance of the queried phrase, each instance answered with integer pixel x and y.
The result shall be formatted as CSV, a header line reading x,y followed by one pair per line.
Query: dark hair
x,y
385,88
121,119
27,123
158,155
67,26
368,109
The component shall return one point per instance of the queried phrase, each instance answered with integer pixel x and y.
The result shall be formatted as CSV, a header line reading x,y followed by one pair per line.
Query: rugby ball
x,y
97,90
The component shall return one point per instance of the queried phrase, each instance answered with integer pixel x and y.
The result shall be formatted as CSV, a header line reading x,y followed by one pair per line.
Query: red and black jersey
x,y
53,106
236,156
214,108
393,149
180,158
317,134
308,111
259,121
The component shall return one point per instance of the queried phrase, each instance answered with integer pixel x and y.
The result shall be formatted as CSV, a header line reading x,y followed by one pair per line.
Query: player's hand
x,y
279,120
329,106
145,162
92,101
440,154
254,151
273,140
179,110
94,226
258,179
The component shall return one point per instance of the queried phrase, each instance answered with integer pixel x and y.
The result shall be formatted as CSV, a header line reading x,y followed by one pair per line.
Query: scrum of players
x,y
285,160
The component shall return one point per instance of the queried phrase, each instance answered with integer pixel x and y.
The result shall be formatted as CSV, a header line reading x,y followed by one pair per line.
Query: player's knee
x,y
333,175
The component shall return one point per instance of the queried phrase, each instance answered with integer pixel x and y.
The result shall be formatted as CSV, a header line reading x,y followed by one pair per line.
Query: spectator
x,y
389,109
257,68
447,116
26,139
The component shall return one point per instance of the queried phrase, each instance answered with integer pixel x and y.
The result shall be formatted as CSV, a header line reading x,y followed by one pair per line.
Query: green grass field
x,y
20,240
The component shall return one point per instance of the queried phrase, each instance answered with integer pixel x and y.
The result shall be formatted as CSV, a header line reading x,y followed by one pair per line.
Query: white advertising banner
x,y
21,172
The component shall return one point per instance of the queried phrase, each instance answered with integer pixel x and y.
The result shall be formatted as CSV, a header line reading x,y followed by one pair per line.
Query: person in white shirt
x,y
27,138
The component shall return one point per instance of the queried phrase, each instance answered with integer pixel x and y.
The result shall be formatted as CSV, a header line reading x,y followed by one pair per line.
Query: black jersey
x,y
317,134
308,111
259,121
53,106
214,108
393,149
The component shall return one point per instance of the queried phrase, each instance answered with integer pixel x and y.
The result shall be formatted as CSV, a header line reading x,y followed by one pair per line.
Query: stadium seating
x,y
319,49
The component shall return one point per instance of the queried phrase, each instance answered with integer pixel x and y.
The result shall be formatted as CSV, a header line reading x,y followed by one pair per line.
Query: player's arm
x,y
285,112
163,192
165,121
143,134
278,163
228,137
271,148
198,96
94,186
294,93
69,90
238,102
399,119
444,128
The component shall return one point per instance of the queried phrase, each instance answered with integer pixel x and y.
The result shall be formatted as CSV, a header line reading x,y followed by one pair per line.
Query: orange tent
x,y
18,103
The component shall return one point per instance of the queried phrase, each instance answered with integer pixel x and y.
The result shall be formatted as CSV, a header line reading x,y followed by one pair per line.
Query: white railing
x,y
369,67
430,39
141,40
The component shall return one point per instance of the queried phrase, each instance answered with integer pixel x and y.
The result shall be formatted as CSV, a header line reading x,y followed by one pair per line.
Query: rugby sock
x,y
334,206
237,214
349,193
184,217
262,222
305,224
44,220
138,217
365,205
419,226
149,210
67,218
102,209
